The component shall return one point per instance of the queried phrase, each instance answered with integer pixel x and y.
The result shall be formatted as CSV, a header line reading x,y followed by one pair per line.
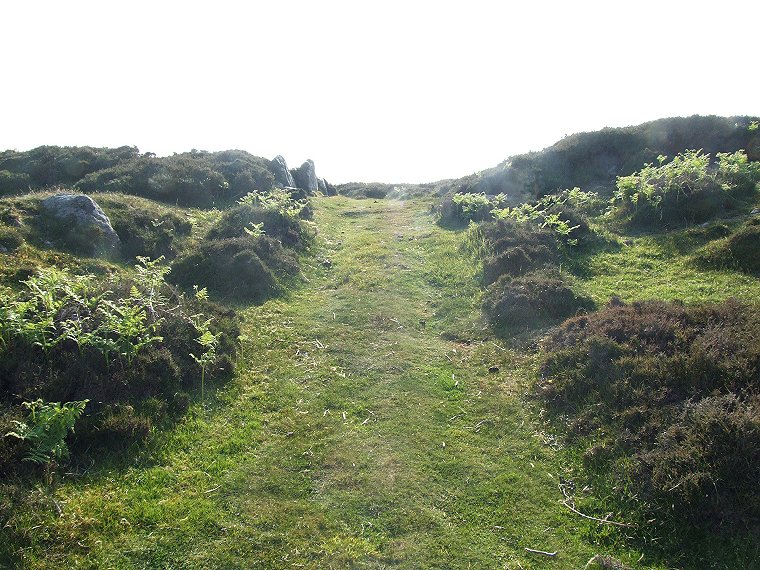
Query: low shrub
x,y
739,250
459,209
65,338
10,239
145,228
663,400
14,182
686,190
242,268
239,221
530,237
532,300
374,190
55,165
175,180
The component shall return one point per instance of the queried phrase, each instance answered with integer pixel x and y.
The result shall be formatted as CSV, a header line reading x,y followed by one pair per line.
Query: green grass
x,y
355,435
659,266
363,428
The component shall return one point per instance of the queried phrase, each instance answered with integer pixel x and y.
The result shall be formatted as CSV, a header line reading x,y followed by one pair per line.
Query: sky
x,y
392,91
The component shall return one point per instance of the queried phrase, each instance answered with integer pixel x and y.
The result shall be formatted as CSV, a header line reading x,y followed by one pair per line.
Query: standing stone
x,y
306,177
282,175
81,224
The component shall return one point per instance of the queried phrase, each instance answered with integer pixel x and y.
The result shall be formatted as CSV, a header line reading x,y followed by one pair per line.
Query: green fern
x,y
46,428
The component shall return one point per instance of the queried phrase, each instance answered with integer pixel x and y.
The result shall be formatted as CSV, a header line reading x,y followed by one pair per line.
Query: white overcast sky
x,y
391,91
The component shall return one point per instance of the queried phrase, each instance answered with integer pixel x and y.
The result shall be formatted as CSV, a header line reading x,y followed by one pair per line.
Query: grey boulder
x,y
305,177
81,223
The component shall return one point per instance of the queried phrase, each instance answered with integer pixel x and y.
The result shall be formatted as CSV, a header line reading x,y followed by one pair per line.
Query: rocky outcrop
x,y
81,224
326,188
305,177
282,175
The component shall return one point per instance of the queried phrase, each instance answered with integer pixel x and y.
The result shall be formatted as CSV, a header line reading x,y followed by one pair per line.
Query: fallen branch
x,y
540,552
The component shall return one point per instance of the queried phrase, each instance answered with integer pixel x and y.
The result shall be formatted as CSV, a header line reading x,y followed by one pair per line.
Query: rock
x,y
282,175
326,188
84,225
305,177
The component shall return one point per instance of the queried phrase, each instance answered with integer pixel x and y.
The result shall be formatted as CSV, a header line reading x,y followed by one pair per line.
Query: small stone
x,y
493,369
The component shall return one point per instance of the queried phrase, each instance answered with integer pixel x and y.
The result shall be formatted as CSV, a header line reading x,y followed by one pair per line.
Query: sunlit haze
x,y
371,91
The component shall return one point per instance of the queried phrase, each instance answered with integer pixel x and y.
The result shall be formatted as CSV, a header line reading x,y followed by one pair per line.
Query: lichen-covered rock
x,y
78,221
282,175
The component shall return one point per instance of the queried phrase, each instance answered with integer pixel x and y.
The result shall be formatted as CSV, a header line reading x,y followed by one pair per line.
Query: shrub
x,y
239,220
461,208
595,159
196,178
531,236
234,267
531,300
736,251
69,338
686,189
145,228
54,165
176,180
10,239
663,398
13,182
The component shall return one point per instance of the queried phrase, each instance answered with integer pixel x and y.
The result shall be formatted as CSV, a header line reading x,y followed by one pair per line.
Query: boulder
x,y
322,185
81,224
282,175
305,177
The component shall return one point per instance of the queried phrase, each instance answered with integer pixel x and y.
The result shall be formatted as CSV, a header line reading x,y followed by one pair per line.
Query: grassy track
x,y
364,430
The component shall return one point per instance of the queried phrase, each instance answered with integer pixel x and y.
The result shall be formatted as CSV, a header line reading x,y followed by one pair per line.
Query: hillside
x,y
592,161
204,365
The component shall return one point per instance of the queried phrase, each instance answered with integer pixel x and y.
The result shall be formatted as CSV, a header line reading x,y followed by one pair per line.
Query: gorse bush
x,y
663,401
686,189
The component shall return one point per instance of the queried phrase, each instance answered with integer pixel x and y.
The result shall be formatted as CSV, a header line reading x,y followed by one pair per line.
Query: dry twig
x,y
532,551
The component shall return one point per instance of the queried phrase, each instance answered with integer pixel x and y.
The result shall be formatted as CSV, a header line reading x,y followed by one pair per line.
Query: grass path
x,y
365,430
